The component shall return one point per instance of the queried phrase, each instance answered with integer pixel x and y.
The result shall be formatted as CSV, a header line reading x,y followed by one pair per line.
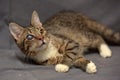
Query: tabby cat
x,y
63,39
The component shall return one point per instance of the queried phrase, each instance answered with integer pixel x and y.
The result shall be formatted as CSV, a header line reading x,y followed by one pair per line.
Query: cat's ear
x,y
35,21
16,30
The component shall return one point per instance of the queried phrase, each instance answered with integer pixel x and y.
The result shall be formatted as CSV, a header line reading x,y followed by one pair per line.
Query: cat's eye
x,y
29,37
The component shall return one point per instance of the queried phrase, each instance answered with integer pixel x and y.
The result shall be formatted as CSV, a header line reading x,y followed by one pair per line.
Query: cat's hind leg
x,y
103,48
85,65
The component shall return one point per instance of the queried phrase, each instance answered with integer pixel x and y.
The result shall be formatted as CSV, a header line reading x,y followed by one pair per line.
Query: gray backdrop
x,y
13,67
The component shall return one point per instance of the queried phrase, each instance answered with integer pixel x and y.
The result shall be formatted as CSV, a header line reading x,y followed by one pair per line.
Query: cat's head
x,y
30,39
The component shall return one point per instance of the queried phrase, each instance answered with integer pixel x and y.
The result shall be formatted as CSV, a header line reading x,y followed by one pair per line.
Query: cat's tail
x,y
104,31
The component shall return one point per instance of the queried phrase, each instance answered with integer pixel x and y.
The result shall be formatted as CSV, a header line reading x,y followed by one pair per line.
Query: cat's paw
x,y
61,68
91,68
105,51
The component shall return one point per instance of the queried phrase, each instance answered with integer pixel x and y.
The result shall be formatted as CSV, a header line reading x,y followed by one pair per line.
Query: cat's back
x,y
63,18
71,25
65,21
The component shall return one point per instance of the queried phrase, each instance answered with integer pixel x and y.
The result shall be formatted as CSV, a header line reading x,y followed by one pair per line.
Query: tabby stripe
x,y
69,56
73,53
66,45
30,30
23,43
72,48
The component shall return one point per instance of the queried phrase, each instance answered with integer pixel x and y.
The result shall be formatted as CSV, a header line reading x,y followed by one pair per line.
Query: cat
x,y
63,39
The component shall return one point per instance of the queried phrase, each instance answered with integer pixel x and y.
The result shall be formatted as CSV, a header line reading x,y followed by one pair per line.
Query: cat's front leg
x,y
60,65
62,68
65,65
85,65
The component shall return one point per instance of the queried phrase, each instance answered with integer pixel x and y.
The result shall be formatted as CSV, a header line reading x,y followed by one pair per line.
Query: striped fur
x,y
63,39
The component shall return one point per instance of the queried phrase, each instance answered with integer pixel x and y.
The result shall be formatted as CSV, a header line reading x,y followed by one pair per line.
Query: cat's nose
x,y
41,38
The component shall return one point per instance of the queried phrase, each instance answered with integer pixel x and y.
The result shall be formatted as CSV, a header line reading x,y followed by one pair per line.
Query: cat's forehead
x,y
32,30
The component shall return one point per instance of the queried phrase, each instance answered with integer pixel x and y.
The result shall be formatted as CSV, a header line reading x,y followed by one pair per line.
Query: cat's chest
x,y
50,52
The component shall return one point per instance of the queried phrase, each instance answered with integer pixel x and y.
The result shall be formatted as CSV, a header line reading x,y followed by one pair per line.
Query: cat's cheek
x,y
61,68
33,47
31,43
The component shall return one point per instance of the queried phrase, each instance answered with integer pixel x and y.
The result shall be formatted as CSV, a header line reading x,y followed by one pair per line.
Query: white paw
x,y
91,67
105,51
61,68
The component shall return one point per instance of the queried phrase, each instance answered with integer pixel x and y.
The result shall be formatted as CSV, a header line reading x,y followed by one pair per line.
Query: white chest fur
x,y
50,52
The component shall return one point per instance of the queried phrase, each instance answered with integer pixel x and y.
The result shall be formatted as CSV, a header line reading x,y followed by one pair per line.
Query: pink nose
x,y
41,38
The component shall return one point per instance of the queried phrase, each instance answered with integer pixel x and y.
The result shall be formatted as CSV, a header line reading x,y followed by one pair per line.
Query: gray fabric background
x,y
13,67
